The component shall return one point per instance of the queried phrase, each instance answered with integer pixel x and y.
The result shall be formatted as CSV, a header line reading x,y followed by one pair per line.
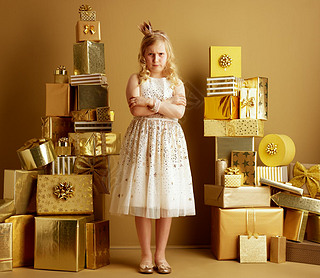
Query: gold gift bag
x,y
5,246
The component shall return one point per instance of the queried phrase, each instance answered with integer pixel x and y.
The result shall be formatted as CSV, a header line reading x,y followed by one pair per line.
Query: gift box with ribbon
x,y
84,115
91,96
88,31
232,177
61,75
63,148
64,194
221,107
58,99
86,13
6,247
295,224
246,161
248,103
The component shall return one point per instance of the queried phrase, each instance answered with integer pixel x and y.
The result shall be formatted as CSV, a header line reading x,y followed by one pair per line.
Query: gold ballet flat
x,y
163,268
146,268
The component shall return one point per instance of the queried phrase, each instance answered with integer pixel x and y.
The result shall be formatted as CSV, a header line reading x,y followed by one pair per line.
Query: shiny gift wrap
x,y
282,186
95,143
21,186
84,115
63,165
97,244
248,103
246,162
228,224
303,252
60,242
220,167
91,96
36,153
86,13
88,31
295,223
278,174
88,57
253,249
104,114
221,107
313,228
278,249
61,75
58,99
23,239
7,209
53,196
5,246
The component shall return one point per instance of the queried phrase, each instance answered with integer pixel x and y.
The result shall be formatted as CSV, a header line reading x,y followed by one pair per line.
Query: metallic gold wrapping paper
x,y
253,249
63,151
88,31
297,202
228,224
21,186
248,103
104,114
88,57
36,153
88,15
247,162
225,145
221,166
244,196
63,165
97,244
295,224
303,252
5,246
84,115
78,202
313,228
7,209
60,242
261,84
279,174
23,239
91,96
94,143
282,186
278,249
93,126
58,99
221,107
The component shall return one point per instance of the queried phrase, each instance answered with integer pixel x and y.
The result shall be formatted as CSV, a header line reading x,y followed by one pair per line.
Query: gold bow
x,y
63,191
85,8
98,167
34,142
253,233
272,149
309,177
225,61
247,104
250,234
89,28
232,171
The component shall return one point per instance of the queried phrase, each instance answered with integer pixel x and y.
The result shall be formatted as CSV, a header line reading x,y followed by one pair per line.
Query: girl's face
x,y
156,58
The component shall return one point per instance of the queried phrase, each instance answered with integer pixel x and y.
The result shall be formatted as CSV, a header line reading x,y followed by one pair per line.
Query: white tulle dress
x,y
153,177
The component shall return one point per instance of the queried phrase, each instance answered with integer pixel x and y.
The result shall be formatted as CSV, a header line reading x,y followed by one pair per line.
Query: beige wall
x,y
279,40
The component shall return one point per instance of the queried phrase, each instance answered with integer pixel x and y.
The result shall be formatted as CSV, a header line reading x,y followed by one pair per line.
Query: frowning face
x,y
156,59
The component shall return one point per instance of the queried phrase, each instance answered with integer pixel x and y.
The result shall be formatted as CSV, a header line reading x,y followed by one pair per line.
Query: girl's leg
x,y
162,234
143,226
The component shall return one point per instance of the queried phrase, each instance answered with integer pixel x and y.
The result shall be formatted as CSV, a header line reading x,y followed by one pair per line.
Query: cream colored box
x,y
248,103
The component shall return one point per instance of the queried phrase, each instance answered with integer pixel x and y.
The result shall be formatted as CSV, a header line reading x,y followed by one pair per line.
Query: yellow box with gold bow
x,y
88,31
64,194
225,61
221,107
248,103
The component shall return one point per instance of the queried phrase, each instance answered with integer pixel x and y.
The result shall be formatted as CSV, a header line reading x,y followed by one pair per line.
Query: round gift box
x,y
282,155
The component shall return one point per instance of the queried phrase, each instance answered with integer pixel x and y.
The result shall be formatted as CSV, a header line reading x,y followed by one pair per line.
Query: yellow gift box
x,y
221,107
64,194
295,224
6,246
248,103
313,228
58,99
225,61
95,143
246,161
23,239
88,31
60,242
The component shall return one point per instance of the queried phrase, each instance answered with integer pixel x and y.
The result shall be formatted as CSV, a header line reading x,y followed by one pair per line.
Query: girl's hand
x,y
178,100
138,101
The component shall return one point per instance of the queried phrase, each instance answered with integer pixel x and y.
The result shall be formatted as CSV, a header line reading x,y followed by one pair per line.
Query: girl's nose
x,y
156,58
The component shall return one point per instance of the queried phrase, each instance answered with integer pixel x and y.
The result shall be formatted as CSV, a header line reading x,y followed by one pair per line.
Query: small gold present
x,y
248,103
232,177
6,246
104,114
278,249
61,75
86,13
88,31
84,115
63,147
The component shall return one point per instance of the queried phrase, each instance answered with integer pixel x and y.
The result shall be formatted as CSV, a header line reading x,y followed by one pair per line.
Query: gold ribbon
x,y
96,166
272,149
89,28
225,61
63,191
232,171
84,8
309,177
247,104
253,233
34,142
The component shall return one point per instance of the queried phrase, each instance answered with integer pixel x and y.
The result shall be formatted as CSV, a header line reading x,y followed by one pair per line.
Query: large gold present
x,y
64,194
295,224
84,115
243,196
88,31
7,209
228,224
21,185
91,96
97,244
58,99
313,228
225,61
95,143
221,107
23,239
246,161
6,246
88,57
60,242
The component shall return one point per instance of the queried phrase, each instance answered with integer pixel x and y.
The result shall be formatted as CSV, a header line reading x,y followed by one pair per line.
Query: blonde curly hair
x,y
151,37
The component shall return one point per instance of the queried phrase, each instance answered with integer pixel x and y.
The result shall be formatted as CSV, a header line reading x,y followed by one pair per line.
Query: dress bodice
x,y
156,88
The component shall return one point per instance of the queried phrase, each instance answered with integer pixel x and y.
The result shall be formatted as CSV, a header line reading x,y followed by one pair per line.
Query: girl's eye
x,y
150,54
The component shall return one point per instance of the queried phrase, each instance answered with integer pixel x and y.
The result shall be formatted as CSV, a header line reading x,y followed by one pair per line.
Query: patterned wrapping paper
x,y
223,85
279,174
7,209
23,239
278,249
88,31
20,186
295,224
221,107
261,85
232,180
104,114
248,103
88,57
246,161
5,246
253,249
303,252
95,143
97,244
93,126
60,242
96,78
64,194
63,165
84,115
58,99
313,228
91,96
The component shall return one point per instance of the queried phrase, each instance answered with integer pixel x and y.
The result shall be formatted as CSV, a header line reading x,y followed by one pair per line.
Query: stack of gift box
x,y
246,225
52,213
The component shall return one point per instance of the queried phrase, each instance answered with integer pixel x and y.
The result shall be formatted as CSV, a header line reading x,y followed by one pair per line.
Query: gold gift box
x,y
279,173
58,99
97,244
104,114
232,180
5,246
20,185
23,239
91,96
248,103
253,249
244,196
246,161
60,242
221,107
7,209
88,31
95,143
295,223
297,202
36,153
63,165
313,228
278,249
88,15
55,128
84,115
64,194
88,57
236,127
228,224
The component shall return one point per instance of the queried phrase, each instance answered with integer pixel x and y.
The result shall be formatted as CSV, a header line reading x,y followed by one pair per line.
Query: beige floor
x,y
185,263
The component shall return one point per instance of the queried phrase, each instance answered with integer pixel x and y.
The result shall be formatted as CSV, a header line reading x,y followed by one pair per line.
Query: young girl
x,y
153,178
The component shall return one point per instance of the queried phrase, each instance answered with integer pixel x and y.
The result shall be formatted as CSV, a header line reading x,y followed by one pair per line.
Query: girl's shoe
x,y
163,267
146,268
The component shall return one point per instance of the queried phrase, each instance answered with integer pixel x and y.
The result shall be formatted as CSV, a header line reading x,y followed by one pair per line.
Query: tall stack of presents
x,y
52,214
